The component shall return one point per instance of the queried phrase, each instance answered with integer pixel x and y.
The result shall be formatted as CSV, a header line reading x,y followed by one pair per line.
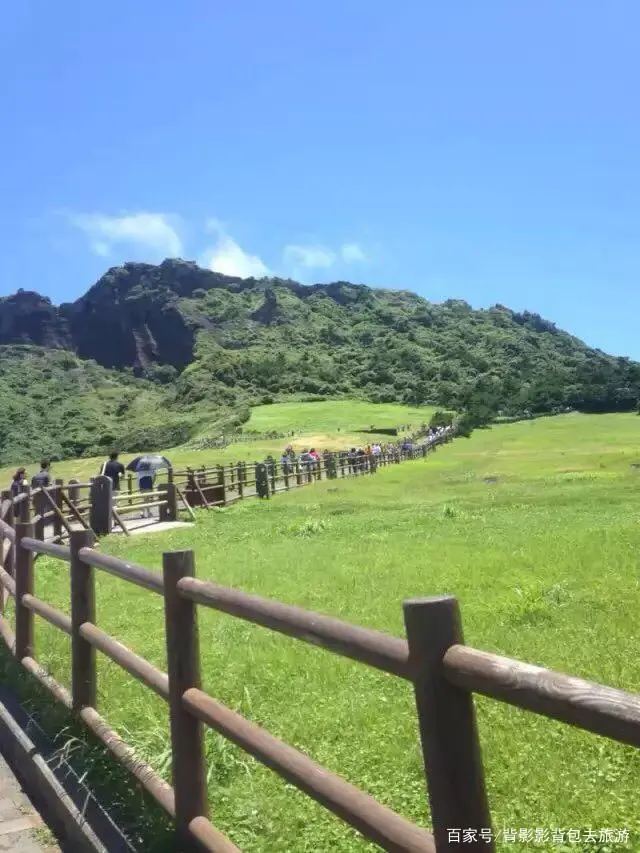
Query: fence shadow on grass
x,y
119,812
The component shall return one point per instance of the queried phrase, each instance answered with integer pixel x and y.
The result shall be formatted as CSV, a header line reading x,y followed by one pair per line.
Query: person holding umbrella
x,y
146,476
146,467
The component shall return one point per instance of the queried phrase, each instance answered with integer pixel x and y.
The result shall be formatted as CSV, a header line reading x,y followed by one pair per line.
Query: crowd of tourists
x,y
355,460
111,468
20,480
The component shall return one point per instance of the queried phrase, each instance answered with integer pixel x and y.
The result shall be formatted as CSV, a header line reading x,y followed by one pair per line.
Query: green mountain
x,y
56,405
153,354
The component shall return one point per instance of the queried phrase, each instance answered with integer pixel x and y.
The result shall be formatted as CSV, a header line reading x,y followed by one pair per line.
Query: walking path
x,y
18,818
135,526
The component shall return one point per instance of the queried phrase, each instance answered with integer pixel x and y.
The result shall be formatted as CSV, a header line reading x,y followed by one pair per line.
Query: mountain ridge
x,y
125,286
209,345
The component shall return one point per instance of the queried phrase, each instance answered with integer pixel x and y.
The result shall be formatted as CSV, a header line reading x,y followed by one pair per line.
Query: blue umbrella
x,y
148,462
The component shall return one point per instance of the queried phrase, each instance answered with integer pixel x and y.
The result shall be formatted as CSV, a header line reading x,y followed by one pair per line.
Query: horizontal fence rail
x,y
603,710
389,654
374,821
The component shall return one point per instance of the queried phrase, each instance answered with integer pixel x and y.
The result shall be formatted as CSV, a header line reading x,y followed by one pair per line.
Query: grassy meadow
x,y
534,526
332,424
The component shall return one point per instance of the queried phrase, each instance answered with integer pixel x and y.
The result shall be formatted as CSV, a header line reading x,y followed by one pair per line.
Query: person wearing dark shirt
x,y
16,488
43,477
113,470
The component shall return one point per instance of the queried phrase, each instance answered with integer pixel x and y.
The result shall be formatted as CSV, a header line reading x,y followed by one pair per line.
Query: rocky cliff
x,y
139,314
130,318
28,318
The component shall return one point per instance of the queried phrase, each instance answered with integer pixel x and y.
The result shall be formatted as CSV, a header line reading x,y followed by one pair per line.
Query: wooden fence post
x,y
262,480
273,472
183,667
57,498
25,505
298,473
170,511
83,609
240,482
40,506
9,559
223,484
24,586
130,488
100,513
73,492
446,716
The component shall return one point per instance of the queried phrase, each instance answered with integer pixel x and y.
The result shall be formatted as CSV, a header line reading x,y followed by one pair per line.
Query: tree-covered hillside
x,y
395,346
55,405
151,355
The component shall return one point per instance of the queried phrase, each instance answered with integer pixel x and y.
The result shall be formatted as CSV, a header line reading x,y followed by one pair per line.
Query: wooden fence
x,y
220,485
57,508
443,671
60,508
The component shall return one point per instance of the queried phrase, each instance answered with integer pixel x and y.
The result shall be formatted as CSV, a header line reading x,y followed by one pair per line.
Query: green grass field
x,y
534,526
332,424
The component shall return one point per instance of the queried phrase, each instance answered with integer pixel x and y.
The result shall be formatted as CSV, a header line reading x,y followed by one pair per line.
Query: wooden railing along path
x,y
220,485
60,508
443,671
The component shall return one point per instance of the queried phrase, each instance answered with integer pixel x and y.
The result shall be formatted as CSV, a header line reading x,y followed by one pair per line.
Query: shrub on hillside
x,y
154,438
441,418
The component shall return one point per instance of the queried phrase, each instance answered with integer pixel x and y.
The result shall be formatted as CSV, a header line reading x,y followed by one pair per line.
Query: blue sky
x,y
483,150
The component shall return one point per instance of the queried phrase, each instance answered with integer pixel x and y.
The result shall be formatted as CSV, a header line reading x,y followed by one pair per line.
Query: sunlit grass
x,y
333,424
533,526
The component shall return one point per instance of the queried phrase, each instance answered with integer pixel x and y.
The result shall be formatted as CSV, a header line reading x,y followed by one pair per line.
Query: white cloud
x,y
154,233
321,257
309,256
100,248
352,253
228,258
155,236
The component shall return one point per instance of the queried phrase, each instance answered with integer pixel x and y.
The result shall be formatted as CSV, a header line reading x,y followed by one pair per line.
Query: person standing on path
x,y
17,483
145,483
114,470
43,477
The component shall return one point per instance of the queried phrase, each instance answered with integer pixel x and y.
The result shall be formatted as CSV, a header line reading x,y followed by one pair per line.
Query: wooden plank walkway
x,y
135,526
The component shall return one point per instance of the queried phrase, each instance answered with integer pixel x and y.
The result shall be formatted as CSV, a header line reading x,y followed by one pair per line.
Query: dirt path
x,y
19,821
